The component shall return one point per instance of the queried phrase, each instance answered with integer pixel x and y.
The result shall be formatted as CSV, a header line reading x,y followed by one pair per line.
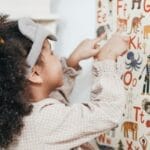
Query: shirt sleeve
x,y
62,94
66,127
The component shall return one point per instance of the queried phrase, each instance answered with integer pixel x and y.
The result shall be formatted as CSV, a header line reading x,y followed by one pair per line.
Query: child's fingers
x,y
98,39
94,52
97,46
123,35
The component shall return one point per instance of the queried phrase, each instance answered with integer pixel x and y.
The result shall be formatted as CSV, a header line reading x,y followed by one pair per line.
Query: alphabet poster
x,y
131,17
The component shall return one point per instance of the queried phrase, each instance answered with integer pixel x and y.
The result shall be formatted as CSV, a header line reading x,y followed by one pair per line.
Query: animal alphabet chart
x,y
131,17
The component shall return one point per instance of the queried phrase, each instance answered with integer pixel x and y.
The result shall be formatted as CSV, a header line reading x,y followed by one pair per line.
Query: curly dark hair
x,y
14,48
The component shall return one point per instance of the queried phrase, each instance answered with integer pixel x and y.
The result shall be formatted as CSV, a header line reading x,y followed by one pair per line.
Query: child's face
x,y
51,70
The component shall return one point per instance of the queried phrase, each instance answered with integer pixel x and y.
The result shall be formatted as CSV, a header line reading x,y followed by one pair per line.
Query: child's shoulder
x,y
47,111
40,105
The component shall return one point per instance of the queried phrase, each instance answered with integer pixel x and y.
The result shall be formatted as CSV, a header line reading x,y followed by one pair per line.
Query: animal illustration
x,y
134,63
132,127
136,22
146,31
100,31
103,29
122,23
136,1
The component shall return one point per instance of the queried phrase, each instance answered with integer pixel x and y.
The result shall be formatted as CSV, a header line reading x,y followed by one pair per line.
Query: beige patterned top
x,y
56,125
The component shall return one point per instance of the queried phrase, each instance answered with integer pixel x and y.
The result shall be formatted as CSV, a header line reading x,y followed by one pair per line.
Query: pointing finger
x,y
101,37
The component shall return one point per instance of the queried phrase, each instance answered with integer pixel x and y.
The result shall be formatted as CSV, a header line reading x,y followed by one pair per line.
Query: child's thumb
x,y
100,38
95,51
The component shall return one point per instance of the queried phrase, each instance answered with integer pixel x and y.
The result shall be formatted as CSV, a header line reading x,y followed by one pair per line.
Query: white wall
x,y
20,8
77,22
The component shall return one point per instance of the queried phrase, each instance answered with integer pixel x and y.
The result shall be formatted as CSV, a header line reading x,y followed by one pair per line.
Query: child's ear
x,y
35,76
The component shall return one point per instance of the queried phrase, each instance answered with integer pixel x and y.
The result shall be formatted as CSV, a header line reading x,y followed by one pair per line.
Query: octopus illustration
x,y
134,63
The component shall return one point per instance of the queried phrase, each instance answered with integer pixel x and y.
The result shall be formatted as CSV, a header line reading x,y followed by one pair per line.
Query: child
x,y
34,109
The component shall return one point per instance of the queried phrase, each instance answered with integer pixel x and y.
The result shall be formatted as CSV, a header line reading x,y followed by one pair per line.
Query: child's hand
x,y
116,46
86,49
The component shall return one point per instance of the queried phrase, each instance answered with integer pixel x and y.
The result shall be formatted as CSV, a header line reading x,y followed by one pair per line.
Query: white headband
x,y
37,34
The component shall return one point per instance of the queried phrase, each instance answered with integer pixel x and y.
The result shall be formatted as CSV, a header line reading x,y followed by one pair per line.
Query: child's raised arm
x,y
71,68
65,127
